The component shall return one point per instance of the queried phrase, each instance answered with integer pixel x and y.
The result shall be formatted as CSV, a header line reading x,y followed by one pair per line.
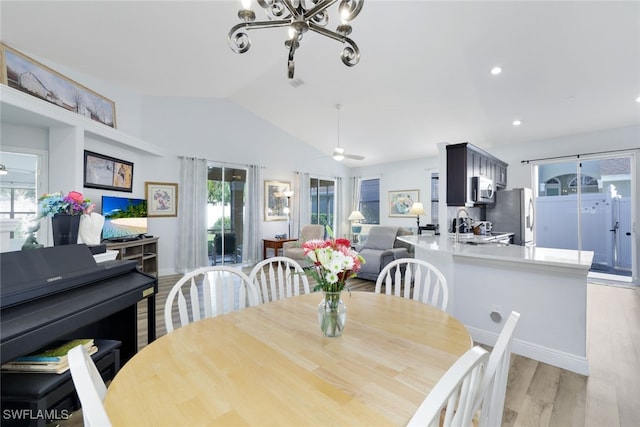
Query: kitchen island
x,y
548,287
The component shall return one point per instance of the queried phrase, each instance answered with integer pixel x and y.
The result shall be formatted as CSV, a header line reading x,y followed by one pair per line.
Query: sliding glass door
x,y
586,204
225,213
322,193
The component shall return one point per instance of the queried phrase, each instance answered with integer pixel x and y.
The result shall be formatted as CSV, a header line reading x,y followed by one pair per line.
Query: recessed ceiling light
x,y
496,70
638,99
517,122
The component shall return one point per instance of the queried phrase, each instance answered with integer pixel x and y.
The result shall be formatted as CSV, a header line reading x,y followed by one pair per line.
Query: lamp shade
x,y
288,193
355,215
416,209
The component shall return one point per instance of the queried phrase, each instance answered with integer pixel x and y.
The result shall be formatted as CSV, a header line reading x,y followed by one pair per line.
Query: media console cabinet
x,y
144,251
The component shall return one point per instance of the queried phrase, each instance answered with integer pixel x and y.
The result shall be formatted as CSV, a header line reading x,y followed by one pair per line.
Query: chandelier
x,y
300,16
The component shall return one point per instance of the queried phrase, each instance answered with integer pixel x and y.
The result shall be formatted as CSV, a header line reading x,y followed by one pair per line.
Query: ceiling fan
x,y
338,152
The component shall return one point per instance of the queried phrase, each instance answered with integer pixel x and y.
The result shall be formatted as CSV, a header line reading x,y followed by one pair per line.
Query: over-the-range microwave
x,y
482,190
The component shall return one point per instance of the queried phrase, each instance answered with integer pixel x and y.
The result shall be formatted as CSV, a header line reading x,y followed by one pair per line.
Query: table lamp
x,y
356,227
417,209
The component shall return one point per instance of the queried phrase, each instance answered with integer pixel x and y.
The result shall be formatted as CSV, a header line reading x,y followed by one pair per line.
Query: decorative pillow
x,y
381,237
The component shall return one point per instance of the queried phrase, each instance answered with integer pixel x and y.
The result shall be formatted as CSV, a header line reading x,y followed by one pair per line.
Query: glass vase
x,y
332,314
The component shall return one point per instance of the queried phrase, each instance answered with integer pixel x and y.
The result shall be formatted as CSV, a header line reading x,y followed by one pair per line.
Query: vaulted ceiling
x,y
423,78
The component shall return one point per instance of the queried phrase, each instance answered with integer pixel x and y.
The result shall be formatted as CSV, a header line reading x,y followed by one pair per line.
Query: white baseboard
x,y
561,359
167,272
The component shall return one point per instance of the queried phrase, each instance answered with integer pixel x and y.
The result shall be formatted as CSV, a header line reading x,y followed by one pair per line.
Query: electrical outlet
x,y
495,314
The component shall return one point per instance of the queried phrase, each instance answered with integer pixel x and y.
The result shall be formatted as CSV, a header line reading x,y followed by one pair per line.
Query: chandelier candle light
x,y
300,16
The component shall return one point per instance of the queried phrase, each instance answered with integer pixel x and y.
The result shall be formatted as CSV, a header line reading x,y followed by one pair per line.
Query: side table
x,y
275,244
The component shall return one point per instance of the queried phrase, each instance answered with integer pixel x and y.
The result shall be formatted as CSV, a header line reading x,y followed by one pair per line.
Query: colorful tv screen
x,y
124,218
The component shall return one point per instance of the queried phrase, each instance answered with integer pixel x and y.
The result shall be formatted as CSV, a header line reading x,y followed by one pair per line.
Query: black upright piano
x,y
61,292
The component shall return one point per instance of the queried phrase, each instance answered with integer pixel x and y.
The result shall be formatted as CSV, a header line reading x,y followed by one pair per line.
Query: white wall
x,y
407,175
222,131
519,175
414,173
215,129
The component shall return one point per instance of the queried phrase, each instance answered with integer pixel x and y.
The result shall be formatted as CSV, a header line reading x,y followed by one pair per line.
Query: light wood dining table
x,y
270,365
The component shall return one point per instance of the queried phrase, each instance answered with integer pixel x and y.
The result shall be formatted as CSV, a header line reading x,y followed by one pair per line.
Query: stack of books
x,y
52,360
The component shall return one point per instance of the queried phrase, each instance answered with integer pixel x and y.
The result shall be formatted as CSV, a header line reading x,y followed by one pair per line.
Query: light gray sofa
x,y
380,248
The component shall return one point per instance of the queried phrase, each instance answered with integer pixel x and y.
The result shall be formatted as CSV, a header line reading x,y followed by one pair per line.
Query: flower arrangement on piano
x,y
74,203
333,263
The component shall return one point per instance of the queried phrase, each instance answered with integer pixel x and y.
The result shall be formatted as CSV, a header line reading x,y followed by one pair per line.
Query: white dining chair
x,y
450,402
415,279
490,401
207,292
89,386
279,277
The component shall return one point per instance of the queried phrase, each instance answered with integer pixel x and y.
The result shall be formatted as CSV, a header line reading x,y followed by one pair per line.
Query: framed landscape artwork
x,y
29,76
275,200
162,198
107,172
400,202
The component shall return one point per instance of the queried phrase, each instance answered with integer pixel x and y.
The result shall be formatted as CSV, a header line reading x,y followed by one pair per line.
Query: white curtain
x,y
340,208
355,193
191,248
253,231
302,193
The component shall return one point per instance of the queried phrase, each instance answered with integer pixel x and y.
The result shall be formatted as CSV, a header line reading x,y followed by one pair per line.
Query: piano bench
x,y
31,399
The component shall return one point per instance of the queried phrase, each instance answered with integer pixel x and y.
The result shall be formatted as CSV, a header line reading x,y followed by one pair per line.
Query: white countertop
x,y
566,258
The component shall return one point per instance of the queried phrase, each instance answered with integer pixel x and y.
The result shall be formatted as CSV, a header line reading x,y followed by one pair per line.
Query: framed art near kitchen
x,y
29,76
162,198
400,202
107,172
275,201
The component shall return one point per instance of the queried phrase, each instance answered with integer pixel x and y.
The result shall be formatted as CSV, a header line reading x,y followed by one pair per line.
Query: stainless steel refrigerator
x,y
513,212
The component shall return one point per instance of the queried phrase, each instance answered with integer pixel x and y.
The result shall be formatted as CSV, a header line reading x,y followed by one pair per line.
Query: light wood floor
x,y
540,395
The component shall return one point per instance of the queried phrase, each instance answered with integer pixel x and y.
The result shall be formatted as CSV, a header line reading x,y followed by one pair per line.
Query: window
x,y
370,201
551,187
18,203
588,184
435,189
18,193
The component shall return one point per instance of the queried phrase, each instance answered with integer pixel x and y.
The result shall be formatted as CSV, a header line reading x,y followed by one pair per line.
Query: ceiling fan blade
x,y
339,154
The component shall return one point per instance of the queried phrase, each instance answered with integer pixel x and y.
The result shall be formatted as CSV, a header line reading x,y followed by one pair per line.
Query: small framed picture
x,y
400,202
162,198
275,201
106,172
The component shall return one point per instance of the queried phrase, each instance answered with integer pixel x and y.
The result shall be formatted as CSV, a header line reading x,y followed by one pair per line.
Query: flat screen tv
x,y
124,218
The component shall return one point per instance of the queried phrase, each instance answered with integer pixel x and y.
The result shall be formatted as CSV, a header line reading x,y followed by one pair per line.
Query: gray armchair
x,y
379,250
294,250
